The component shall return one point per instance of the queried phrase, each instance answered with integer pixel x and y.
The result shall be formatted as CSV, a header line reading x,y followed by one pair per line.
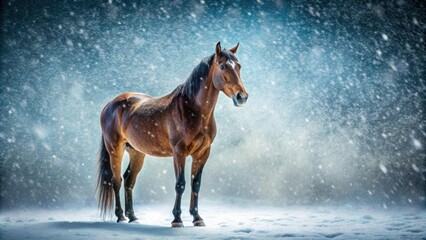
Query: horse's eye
x,y
222,67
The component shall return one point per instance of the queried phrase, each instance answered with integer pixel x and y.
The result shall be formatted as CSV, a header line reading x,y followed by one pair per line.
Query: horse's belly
x,y
149,138
154,150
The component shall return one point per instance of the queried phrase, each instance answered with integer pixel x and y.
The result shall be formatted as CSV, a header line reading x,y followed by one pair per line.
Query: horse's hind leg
x,y
116,151
135,165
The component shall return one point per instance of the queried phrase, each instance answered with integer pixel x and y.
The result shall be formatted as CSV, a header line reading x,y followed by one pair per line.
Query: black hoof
x,y
121,219
133,219
199,223
177,224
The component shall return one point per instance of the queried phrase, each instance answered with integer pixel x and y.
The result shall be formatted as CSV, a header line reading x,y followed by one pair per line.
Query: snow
x,y
335,114
383,168
234,219
417,144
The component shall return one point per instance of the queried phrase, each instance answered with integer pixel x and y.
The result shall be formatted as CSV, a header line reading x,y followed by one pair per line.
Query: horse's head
x,y
226,75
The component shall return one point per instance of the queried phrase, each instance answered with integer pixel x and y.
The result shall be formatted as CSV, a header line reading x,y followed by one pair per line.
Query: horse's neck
x,y
199,97
207,96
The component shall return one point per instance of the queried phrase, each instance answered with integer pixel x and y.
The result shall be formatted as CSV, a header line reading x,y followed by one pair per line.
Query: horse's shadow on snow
x,y
111,226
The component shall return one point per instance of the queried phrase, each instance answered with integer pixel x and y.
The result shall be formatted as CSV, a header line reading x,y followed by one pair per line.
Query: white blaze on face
x,y
231,63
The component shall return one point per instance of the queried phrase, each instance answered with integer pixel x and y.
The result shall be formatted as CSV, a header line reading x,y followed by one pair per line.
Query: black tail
x,y
104,186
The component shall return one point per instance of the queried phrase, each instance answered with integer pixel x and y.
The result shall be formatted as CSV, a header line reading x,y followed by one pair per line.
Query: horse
x,y
177,125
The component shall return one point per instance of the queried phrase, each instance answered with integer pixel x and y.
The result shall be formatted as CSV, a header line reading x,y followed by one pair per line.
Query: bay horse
x,y
177,125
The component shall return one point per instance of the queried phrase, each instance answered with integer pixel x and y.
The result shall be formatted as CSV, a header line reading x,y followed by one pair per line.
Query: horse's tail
x,y
104,186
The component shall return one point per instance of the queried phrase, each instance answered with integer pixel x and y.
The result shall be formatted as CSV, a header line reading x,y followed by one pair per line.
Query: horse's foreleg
x,y
179,165
116,151
135,165
198,162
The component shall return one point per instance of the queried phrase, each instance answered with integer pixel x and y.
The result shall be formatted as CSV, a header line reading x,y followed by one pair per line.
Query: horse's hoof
x,y
136,221
122,221
177,225
199,223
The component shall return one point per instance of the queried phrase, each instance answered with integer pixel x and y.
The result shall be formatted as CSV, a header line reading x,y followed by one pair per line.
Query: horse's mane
x,y
194,82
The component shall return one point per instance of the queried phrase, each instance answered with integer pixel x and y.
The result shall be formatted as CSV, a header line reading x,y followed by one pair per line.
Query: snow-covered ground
x,y
234,220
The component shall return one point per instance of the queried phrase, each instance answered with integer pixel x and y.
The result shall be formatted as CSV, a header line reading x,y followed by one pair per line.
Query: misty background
x,y
335,114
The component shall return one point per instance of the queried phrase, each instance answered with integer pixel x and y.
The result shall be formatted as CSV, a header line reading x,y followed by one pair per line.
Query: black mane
x,y
193,84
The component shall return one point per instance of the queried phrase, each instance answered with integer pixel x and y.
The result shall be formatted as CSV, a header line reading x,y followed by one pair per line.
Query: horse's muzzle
x,y
240,99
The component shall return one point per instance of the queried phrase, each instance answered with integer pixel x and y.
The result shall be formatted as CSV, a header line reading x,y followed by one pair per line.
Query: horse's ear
x,y
234,49
218,50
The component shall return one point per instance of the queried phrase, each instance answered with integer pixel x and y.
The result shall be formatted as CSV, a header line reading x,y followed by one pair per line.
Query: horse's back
x,y
132,98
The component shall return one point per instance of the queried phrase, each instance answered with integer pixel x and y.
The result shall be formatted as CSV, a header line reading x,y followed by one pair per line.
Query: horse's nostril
x,y
239,99
239,96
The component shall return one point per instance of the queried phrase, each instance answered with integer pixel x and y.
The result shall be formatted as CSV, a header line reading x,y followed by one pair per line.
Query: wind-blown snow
x,y
235,220
335,115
